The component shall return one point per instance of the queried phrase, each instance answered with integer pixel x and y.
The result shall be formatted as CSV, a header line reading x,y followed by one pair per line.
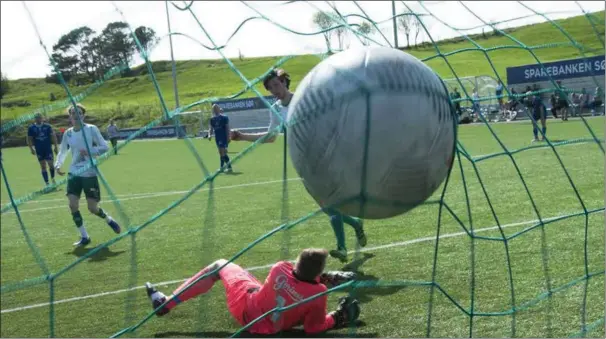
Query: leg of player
x,y
544,125
535,130
226,159
93,197
200,287
74,206
44,172
51,169
336,221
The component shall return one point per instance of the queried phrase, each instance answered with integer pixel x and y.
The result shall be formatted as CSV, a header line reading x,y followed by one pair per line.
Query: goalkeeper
x,y
286,284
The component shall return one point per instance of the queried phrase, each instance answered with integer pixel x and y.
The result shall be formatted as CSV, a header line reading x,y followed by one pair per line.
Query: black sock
x,y
222,160
52,172
101,213
77,219
226,160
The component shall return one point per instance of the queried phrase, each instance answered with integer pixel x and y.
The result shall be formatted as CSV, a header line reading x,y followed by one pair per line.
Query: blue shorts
x,y
221,143
536,115
42,156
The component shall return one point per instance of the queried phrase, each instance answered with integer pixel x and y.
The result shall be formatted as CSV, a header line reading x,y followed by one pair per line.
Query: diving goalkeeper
x,y
286,284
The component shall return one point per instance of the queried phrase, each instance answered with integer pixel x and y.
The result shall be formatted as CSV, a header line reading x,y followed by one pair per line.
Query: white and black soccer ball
x,y
372,130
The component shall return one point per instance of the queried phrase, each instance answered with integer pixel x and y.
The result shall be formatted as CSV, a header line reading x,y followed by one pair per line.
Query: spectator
x,y
598,100
553,100
475,99
456,95
576,103
499,95
584,98
513,101
562,100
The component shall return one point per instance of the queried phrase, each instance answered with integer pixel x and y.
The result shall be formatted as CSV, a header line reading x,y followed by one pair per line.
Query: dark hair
x,y
281,74
310,263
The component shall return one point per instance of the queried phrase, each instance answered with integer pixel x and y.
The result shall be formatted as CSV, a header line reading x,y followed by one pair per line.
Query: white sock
x,y
108,219
82,230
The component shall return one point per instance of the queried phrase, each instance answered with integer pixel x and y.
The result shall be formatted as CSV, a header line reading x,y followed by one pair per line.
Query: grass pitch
x,y
93,298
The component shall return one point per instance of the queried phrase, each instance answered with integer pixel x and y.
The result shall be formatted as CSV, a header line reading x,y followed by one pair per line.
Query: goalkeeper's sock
x,y
52,172
535,132
222,161
200,287
45,176
336,221
544,130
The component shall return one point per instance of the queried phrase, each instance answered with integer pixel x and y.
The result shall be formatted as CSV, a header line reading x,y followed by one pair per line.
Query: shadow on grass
x,y
365,295
233,173
103,254
284,334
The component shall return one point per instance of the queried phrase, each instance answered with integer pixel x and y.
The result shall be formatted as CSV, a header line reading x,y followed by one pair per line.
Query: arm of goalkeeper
x,y
336,278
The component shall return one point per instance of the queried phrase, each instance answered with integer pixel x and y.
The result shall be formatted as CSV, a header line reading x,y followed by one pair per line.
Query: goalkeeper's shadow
x,y
342,333
365,295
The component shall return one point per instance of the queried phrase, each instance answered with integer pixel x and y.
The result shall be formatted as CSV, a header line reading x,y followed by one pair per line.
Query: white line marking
x,y
256,268
158,194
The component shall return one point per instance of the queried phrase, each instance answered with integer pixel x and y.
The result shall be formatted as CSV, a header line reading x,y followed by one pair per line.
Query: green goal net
x,y
510,245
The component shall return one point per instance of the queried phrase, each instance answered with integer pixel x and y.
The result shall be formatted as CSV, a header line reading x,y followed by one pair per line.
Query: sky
x,y
22,55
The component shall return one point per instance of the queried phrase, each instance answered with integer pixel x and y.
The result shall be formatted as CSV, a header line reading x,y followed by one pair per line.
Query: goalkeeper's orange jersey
x,y
282,288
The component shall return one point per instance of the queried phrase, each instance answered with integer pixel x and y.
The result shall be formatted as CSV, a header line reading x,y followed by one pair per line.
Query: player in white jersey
x,y
278,83
79,178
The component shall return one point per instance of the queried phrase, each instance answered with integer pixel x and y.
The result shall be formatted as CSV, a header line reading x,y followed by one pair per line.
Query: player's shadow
x,y
295,333
103,254
233,173
366,294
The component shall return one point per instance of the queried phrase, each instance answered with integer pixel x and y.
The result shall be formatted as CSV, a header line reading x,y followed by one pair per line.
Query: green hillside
x,y
135,101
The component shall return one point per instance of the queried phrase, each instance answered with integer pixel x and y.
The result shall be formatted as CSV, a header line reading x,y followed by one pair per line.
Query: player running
x,y
286,284
539,113
219,123
86,181
112,132
39,138
277,82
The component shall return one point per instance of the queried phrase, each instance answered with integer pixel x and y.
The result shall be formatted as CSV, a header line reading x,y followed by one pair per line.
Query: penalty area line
x,y
257,268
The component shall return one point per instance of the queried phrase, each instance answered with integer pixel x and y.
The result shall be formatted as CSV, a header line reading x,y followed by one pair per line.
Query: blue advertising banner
x,y
152,133
565,69
244,104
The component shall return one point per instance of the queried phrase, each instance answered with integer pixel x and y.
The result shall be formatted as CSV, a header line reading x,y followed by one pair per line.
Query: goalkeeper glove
x,y
336,278
347,312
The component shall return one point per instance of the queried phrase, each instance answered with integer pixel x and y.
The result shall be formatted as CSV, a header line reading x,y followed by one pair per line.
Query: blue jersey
x,y
42,137
219,124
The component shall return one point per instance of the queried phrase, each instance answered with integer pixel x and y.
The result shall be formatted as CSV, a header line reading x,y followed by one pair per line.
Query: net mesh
x,y
510,279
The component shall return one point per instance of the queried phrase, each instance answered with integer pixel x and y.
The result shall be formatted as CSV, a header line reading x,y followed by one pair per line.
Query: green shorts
x,y
90,185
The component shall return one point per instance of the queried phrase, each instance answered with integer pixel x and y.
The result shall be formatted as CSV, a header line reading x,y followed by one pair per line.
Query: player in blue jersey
x,y
277,83
538,114
40,135
219,124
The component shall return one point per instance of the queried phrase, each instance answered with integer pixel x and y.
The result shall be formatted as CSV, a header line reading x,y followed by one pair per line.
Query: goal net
x,y
511,244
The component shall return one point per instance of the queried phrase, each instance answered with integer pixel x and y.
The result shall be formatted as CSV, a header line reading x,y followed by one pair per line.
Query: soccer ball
x,y
371,132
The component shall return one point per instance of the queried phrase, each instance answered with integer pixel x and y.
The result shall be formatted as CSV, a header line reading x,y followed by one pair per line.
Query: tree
x,y
70,54
118,46
365,29
4,87
324,22
146,36
417,28
405,23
